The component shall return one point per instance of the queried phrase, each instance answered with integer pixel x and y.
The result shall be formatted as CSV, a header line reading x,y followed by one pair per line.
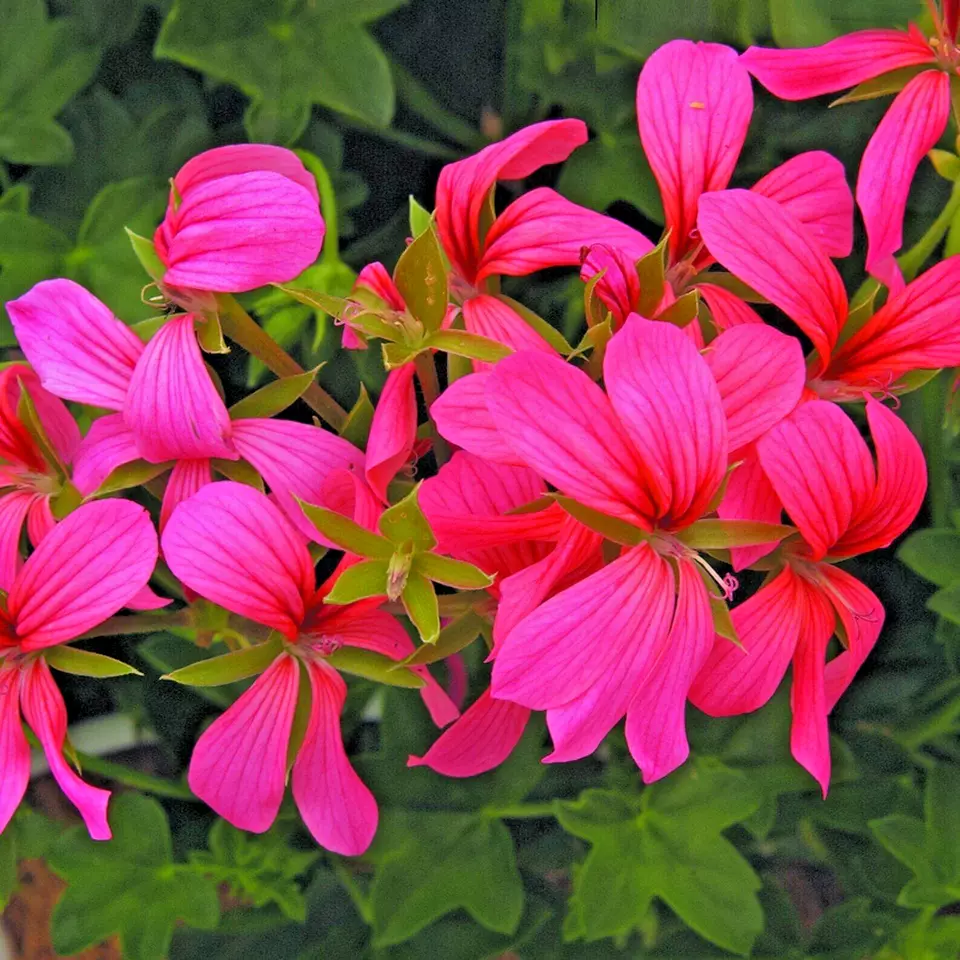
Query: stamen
x,y
325,645
728,584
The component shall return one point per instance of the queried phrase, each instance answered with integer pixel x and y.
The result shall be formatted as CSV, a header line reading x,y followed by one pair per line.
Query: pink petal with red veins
x,y
694,102
463,186
479,741
80,350
230,544
146,599
619,287
186,478
764,245
239,765
608,625
173,408
40,520
243,158
727,309
377,280
393,431
109,444
337,807
749,496
669,403
14,506
837,65
813,187
14,749
44,711
656,730
494,319
85,570
909,129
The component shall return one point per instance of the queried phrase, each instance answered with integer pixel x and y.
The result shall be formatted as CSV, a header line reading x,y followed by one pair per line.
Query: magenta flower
x,y
824,474
913,124
240,217
230,544
89,566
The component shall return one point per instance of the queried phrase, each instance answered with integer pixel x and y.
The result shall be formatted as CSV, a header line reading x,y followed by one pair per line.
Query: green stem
x,y
139,623
409,140
933,399
521,811
359,898
427,375
136,779
328,206
243,330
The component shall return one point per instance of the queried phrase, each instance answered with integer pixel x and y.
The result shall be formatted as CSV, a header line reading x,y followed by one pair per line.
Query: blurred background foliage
x,y
100,102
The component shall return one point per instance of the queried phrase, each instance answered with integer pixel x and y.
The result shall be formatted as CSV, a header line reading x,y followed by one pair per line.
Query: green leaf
x,y
666,843
420,602
146,254
359,581
453,637
282,55
722,534
373,666
276,121
432,863
450,572
421,278
469,345
420,217
230,667
133,474
946,603
346,534
84,663
8,866
359,420
129,887
274,398
405,523
320,301
808,23
934,554
619,531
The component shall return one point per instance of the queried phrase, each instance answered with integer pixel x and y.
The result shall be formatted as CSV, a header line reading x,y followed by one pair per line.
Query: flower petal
x,y
230,544
109,444
186,478
243,158
239,764
85,570
494,319
377,280
619,287
727,309
912,125
44,711
749,496
14,749
337,807
80,350
146,599
393,431
13,514
694,102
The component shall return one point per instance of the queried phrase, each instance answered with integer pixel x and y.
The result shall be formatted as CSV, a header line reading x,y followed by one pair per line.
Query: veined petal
x,y
186,478
463,186
749,496
821,470
727,309
767,247
543,229
670,405
172,406
230,544
146,599
17,446
619,287
656,729
560,423
109,444
606,625
239,764
837,65
462,417
337,807
44,711
479,741
393,431
377,280
14,749
494,319
694,102
243,158
813,187
760,374
85,570
734,680
13,514
80,350
296,460
240,231
912,125
40,520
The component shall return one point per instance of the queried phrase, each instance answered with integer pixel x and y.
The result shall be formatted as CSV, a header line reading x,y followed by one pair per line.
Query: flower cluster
x,y
591,503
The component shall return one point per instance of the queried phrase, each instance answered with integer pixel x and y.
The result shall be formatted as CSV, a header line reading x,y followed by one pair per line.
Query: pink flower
x,y
231,545
240,217
823,472
912,125
89,566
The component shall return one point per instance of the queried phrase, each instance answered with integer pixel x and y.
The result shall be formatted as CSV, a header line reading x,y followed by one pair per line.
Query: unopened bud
x,y
398,569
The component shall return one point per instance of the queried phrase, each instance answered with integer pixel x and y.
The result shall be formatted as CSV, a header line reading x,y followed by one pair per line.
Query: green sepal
x,y
66,501
723,534
729,282
346,534
549,333
357,427
421,278
274,398
405,523
397,354
240,472
133,474
469,345
420,217
420,602
84,663
882,86
947,164
683,310
28,416
652,271
238,665
322,302
147,255
723,624
210,334
450,572
360,581
145,329
301,715
619,531
594,309
373,666
453,638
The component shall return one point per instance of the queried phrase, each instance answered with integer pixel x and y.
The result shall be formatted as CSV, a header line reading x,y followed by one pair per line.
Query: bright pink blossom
x,y
240,217
231,545
89,566
822,471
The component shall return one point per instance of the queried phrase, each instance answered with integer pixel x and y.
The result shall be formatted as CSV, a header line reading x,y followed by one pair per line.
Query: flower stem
x,y
243,330
427,375
522,811
934,436
328,207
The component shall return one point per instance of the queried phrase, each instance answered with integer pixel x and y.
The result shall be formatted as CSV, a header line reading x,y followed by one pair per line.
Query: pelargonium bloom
x,y
239,217
913,124
89,566
230,544
823,472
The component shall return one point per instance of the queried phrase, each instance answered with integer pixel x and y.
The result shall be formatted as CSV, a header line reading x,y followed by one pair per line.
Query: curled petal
x,y
393,431
243,158
619,287
375,278
14,749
